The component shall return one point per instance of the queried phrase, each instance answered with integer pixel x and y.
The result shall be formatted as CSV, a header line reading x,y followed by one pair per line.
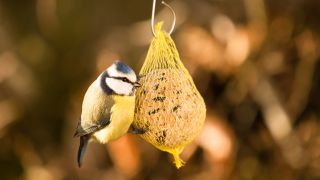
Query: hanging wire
x,y
153,14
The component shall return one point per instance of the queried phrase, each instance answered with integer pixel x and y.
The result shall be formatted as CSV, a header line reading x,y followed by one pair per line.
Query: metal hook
x,y
153,13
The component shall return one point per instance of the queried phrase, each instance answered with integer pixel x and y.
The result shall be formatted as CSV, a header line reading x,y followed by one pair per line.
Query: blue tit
x,y
108,107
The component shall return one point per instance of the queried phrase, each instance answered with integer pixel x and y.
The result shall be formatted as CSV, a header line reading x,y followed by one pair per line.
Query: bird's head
x,y
119,79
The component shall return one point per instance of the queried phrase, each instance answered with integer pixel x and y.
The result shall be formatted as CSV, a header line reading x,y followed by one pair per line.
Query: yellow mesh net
x,y
168,104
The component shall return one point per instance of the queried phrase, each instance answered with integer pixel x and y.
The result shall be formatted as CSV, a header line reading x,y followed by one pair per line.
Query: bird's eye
x,y
124,80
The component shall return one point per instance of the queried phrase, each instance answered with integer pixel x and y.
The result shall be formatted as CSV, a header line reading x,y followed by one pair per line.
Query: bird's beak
x,y
136,84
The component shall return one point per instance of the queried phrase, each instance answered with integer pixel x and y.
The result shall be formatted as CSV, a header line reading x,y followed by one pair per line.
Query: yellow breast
x,y
122,113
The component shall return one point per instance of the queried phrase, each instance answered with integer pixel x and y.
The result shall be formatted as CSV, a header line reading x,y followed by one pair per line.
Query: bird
x,y
108,107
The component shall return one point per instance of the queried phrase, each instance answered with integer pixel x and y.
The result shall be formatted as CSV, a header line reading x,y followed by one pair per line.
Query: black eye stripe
x,y
123,79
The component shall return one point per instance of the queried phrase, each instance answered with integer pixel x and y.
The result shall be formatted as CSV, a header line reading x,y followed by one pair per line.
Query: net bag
x,y
168,104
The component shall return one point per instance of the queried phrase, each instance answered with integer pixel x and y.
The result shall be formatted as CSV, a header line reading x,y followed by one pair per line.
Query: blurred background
x,y
255,62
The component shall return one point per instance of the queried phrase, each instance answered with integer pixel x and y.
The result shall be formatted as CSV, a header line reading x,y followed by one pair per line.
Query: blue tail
x,y
82,148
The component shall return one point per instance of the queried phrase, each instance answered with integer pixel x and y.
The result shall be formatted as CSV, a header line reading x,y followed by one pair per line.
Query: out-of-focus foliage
x,y
255,62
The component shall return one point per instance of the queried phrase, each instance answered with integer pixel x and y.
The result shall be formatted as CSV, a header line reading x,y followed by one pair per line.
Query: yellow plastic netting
x,y
168,104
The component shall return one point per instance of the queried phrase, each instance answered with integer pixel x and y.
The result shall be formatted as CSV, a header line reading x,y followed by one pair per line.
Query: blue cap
x,y
123,67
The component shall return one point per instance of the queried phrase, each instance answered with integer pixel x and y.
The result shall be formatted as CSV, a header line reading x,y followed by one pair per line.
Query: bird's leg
x,y
133,130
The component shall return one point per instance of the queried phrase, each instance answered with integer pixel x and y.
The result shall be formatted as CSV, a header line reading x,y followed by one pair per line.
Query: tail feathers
x,y
82,148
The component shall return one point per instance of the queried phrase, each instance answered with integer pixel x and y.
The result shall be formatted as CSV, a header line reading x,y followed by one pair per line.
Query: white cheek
x,y
119,87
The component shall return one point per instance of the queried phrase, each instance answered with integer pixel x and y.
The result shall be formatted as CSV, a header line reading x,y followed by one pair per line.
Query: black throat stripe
x,y
104,85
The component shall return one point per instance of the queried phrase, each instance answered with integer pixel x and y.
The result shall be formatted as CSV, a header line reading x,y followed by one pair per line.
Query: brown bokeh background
x,y
255,62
